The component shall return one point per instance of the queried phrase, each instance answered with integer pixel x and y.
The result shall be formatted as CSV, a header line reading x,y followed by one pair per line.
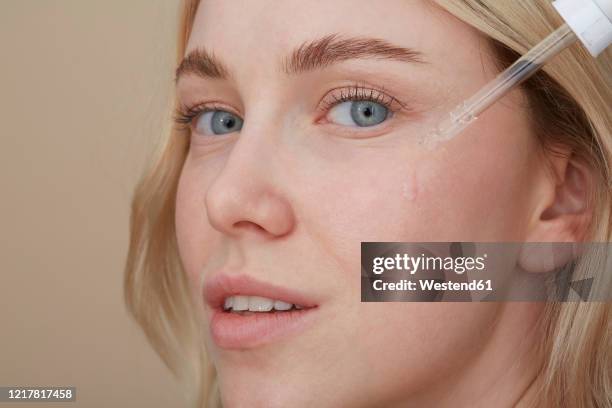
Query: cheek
x,y
186,234
476,187
195,237
466,191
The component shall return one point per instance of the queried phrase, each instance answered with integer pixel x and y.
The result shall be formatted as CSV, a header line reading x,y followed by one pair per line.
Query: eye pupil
x,y
368,113
223,122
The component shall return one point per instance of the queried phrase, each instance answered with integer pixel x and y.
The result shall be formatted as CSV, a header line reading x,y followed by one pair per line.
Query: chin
x,y
268,392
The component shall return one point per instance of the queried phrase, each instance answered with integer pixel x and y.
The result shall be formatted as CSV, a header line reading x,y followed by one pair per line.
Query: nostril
x,y
248,226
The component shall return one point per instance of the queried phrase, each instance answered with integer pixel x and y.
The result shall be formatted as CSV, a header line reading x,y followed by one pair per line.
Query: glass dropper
x,y
589,21
469,110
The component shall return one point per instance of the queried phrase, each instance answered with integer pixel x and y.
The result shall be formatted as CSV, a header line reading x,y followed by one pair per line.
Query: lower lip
x,y
235,331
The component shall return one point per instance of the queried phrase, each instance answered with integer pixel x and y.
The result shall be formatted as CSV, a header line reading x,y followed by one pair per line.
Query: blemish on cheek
x,y
410,186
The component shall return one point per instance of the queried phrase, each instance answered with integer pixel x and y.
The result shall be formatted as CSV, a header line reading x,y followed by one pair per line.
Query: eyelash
x,y
184,115
362,92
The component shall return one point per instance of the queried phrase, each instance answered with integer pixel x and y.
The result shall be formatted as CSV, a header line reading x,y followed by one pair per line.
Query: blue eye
x,y
359,113
217,122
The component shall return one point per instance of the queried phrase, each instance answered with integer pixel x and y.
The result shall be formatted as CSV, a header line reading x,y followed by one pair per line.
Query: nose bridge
x,y
263,136
246,194
257,145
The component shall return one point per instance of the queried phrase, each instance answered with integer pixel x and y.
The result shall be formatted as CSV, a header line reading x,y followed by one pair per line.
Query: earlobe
x,y
537,257
565,217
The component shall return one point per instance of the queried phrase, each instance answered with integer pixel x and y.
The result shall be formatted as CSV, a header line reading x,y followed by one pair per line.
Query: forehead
x,y
261,31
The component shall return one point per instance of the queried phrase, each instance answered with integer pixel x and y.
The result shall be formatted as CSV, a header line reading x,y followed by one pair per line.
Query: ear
x,y
563,213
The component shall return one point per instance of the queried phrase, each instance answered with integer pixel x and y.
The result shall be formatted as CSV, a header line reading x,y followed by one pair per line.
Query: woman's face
x,y
311,147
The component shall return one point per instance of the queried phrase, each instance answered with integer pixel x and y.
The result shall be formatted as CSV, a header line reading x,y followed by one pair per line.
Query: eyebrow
x,y
333,48
308,56
202,63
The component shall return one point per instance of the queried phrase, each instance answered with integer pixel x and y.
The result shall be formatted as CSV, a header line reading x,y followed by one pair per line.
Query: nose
x,y
246,196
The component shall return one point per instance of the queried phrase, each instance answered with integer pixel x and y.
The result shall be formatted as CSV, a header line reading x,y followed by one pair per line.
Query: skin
x,y
289,198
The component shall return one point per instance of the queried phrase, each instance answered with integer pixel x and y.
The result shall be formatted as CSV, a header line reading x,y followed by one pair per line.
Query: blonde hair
x,y
570,100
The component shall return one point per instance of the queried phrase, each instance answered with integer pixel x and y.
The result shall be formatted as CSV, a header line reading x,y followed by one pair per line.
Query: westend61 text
x,y
431,284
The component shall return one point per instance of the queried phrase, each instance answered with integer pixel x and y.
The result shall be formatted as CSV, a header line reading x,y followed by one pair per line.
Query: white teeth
x,y
228,302
240,303
280,305
256,304
260,304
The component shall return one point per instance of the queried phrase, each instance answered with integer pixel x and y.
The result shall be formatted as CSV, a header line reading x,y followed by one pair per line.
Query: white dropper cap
x,y
590,20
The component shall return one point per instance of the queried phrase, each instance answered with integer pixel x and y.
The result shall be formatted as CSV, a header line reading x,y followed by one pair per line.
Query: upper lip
x,y
223,285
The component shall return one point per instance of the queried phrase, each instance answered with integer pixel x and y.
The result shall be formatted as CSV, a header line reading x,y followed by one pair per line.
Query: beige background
x,y
83,90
